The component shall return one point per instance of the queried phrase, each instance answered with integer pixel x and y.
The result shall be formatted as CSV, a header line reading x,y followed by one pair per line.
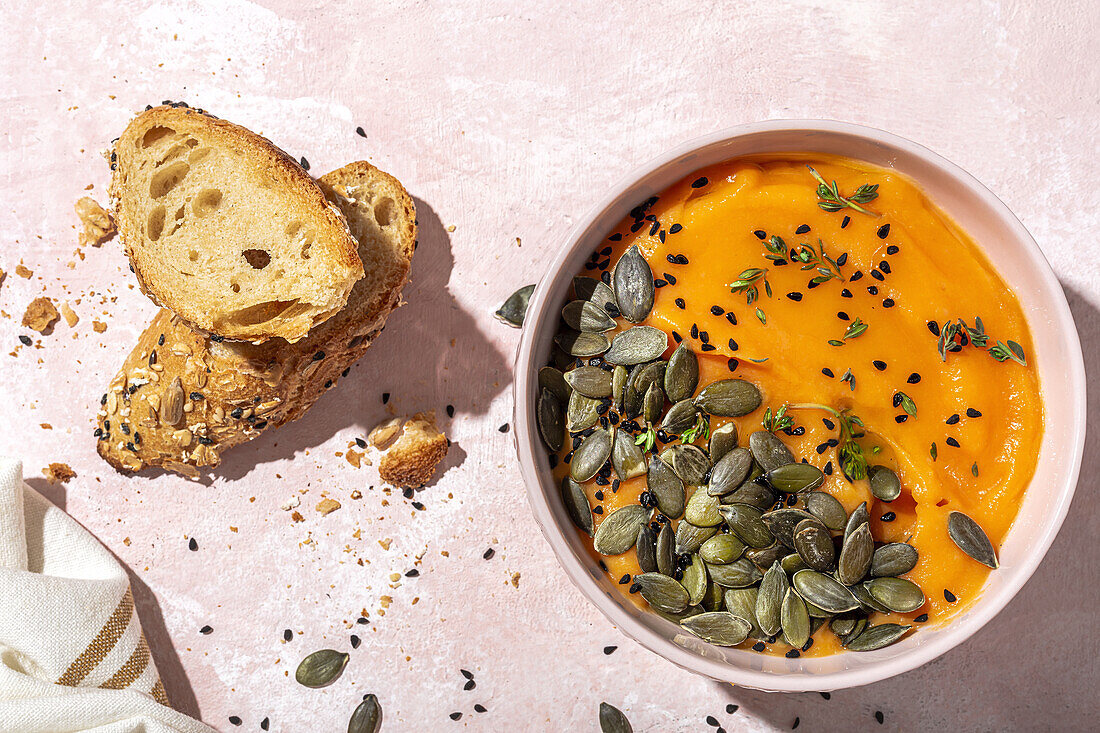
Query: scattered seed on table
x,y
479,708
712,721
456,715
414,573
265,724
879,716
192,545
470,684
385,397
355,641
288,635
488,554
609,650
418,506
825,695
361,133
503,428
206,630
235,720
450,410
796,720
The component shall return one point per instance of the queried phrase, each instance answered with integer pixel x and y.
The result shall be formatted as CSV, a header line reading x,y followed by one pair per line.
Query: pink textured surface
x,y
505,123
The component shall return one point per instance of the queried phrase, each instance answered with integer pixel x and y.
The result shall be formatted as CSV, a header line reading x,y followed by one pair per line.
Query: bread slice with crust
x,y
182,397
226,230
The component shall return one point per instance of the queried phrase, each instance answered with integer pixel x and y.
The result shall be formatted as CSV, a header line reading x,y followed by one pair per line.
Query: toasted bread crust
x,y
412,460
236,390
300,196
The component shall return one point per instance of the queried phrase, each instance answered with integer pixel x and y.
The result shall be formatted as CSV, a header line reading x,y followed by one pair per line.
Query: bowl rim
x,y
983,610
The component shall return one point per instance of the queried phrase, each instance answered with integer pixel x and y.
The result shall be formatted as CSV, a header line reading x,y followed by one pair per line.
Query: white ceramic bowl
x,y
1056,354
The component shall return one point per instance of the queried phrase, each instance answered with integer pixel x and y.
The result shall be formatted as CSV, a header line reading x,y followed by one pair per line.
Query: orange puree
x,y
937,273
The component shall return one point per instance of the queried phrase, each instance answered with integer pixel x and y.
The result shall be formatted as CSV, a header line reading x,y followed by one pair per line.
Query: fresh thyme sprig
x,y
701,429
647,438
779,420
776,249
855,329
831,200
817,259
849,453
906,403
748,283
1003,352
954,335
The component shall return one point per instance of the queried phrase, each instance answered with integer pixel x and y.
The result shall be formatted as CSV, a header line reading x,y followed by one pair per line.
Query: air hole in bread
x,y
383,211
155,134
235,287
155,224
256,314
194,256
355,341
258,258
198,154
167,178
206,202
293,228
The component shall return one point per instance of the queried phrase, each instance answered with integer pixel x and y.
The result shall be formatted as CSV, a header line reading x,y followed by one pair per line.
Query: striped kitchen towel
x,y
72,653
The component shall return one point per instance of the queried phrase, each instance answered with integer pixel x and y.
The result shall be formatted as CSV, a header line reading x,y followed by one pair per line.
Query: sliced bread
x,y
182,397
226,230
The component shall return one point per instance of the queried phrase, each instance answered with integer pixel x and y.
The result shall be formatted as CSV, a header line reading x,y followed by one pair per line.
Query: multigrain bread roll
x,y
182,397
215,219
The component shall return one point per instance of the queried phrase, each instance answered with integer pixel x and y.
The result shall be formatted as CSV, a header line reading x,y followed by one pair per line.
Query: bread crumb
x,y
99,326
2,275
290,503
98,224
450,227
412,460
45,426
297,517
384,432
58,472
40,314
327,505
126,541
23,272
69,314
515,580
356,494
385,543
353,457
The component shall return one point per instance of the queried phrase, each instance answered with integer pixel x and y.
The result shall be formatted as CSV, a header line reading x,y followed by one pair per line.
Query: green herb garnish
x,y
849,453
761,317
647,438
906,403
747,283
949,341
831,200
1013,351
817,259
701,429
855,329
779,420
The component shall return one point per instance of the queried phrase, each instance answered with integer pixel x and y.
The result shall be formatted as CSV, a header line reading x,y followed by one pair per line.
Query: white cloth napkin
x,y
72,653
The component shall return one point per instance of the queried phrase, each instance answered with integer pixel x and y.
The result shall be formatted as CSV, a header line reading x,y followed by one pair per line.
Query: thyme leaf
x,y
831,200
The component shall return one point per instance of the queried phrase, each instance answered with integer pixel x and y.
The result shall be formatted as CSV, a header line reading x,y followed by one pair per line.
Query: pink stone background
x,y
505,121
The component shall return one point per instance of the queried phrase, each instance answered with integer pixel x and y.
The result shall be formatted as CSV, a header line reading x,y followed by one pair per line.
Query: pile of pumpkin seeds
x,y
755,550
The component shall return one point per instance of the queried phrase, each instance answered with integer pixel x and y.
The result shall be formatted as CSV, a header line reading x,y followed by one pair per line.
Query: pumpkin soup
x,y
791,393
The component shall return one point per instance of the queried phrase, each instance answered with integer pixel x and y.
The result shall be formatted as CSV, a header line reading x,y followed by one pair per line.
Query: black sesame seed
x,y
731,318
407,493
733,345
760,233
488,554
413,573
913,378
234,719
479,708
360,132
842,316
616,237
953,419
206,630
880,365
635,588
305,163
883,231
845,222
652,231
922,618
971,412
732,365
625,579
828,372
609,650
731,708
878,713
671,279
892,249
793,654
884,266
872,289
934,328
900,418
758,646
949,596
418,506
385,397
889,517
845,293
467,674
857,275
825,695
699,182
717,310
355,641
803,229
680,303
842,260
675,228
795,296
469,685
659,283
888,303
288,635
598,510
192,545
712,721
877,275
265,724
952,442
503,428
456,715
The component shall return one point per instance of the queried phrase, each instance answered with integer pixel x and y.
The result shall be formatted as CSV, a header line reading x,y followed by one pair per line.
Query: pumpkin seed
x,y
722,440
718,627
618,385
583,345
769,451
627,458
856,555
581,315
745,522
596,292
824,592
646,548
795,620
679,417
576,505
728,398
971,539
618,531
894,559
662,592
737,574
866,602
633,284
722,549
816,613
321,668
793,477
676,618
682,375
581,413
877,637
690,462
666,561
612,720
742,602
695,580
590,381
367,717
666,487
897,594
764,557
590,455
702,510
553,380
826,508
551,421
858,516
638,382
637,345
792,563
814,545
843,625
729,472
752,493
860,626
690,538
781,523
885,484
514,309
769,601
714,598
652,403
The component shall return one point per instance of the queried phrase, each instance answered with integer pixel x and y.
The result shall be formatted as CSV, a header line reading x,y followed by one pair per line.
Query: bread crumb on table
x,y
99,326
412,460
40,314
98,224
58,473
23,272
69,314
327,505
